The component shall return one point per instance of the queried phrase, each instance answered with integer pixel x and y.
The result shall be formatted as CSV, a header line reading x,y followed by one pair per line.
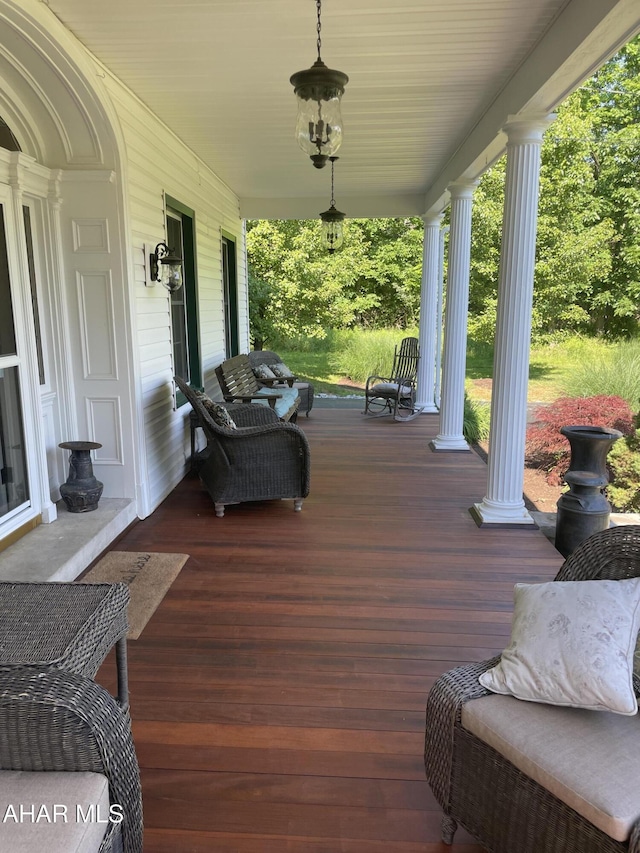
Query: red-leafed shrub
x,y
548,449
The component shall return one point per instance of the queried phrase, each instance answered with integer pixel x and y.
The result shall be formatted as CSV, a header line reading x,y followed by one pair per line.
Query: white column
x,y
503,503
443,232
450,436
428,314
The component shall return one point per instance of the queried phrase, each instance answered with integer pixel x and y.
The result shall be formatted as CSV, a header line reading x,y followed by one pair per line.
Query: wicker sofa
x,y
304,389
588,757
65,741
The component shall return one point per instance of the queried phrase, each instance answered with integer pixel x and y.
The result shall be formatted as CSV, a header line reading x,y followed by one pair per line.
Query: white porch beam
x,y
450,436
585,35
427,333
355,207
503,503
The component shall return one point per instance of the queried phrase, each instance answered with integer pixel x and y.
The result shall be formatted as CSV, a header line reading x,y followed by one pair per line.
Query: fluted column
x,y
450,436
428,314
443,233
503,503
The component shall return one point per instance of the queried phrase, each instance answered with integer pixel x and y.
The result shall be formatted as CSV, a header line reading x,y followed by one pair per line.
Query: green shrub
x,y
476,419
612,371
624,465
548,449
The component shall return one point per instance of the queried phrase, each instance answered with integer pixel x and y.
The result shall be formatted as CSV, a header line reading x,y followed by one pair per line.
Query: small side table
x,y
81,491
69,626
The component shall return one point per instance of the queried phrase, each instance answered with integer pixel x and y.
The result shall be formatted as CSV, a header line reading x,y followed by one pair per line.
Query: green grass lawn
x,y
316,367
550,368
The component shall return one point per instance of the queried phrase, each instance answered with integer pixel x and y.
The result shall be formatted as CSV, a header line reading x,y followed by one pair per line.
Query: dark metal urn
x,y
584,509
82,491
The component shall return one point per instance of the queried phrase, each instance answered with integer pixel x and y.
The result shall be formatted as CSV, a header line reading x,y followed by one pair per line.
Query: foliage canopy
x,y
587,273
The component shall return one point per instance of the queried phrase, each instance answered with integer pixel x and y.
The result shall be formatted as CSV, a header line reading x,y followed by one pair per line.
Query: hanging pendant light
x,y
319,90
332,219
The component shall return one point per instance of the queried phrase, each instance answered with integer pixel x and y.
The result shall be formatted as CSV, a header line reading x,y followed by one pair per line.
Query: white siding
x,y
158,163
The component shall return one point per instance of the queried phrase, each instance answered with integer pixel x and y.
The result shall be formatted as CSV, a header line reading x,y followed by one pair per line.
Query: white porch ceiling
x,y
431,83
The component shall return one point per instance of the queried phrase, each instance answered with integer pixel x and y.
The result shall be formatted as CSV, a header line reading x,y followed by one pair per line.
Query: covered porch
x,y
278,692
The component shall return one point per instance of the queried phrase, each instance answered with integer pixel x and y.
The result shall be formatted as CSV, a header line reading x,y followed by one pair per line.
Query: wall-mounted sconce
x,y
166,267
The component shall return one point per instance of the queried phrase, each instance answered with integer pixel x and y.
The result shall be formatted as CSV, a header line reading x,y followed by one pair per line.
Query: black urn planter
x,y
584,509
82,491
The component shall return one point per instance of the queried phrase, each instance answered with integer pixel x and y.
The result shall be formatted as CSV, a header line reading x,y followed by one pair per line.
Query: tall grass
x,y
368,352
614,371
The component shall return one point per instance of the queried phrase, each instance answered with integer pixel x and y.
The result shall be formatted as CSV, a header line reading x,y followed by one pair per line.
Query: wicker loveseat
x,y
263,459
587,759
65,741
304,389
239,384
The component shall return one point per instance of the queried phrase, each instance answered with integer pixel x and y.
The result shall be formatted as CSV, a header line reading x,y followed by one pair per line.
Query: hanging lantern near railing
x,y
319,91
332,222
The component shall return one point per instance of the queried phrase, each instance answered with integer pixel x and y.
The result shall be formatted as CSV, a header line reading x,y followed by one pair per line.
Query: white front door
x,y
19,498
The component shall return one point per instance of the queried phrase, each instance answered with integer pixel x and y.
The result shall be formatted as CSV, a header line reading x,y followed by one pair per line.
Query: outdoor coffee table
x,y
69,626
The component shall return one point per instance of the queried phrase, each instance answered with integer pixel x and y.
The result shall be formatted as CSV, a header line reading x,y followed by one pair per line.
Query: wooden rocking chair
x,y
396,395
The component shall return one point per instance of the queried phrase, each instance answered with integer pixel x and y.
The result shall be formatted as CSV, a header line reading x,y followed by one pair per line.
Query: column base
x,y
449,443
427,408
493,515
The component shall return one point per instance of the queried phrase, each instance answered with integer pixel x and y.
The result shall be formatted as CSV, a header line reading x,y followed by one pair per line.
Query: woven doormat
x,y
148,576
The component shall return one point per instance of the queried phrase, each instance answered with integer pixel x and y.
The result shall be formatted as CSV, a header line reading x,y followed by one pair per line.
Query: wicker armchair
x,y
480,789
55,720
264,459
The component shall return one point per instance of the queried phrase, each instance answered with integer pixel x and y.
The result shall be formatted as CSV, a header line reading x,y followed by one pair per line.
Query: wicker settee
x,y
64,732
594,752
304,389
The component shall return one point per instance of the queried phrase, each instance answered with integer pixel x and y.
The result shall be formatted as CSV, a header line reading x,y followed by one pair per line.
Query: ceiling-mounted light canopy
x,y
319,90
332,222
166,267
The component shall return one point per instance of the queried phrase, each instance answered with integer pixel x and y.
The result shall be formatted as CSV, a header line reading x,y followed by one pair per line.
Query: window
x,y
230,296
180,224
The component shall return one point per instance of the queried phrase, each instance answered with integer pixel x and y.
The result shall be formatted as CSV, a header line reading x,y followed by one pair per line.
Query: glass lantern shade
x,y
319,91
332,229
171,276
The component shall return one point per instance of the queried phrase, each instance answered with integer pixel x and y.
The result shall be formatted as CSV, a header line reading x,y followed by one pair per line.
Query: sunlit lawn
x,y
549,367
316,367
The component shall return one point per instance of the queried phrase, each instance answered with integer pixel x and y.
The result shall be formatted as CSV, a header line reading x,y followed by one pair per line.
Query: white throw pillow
x,y
263,371
281,370
572,643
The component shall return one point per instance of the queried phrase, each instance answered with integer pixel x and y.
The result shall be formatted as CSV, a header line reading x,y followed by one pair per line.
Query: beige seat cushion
x,y
587,759
29,822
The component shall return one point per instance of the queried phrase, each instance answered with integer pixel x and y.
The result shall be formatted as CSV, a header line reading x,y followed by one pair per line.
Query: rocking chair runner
x,y
396,395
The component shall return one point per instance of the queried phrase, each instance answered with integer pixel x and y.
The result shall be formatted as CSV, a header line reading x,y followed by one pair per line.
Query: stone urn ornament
x,y
82,491
584,509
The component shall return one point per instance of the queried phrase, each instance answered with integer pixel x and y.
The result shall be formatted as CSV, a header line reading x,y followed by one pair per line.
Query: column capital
x,y
432,220
463,188
527,127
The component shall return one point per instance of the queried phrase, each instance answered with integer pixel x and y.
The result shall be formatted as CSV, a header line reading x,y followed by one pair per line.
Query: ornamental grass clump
x,y
546,448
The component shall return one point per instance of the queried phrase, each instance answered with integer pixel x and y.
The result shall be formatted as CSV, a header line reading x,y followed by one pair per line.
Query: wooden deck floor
x,y
278,693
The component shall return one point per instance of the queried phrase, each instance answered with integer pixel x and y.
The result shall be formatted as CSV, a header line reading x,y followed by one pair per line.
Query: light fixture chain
x,y
319,25
333,201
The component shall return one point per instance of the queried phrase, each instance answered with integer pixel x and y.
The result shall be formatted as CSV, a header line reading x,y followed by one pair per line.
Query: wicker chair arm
x,y
51,719
611,554
444,707
249,416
